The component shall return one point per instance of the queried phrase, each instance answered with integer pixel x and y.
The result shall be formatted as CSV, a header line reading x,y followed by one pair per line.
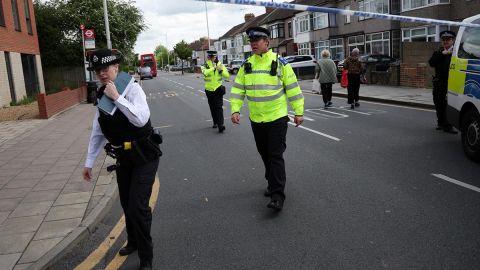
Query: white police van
x,y
463,109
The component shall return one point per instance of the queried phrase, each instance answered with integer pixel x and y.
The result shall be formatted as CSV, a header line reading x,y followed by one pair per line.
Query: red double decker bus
x,y
148,60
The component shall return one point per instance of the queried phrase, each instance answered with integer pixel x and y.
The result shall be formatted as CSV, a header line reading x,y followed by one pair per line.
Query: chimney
x,y
249,16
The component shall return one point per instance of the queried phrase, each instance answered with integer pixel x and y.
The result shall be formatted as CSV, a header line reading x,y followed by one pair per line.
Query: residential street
x,y
365,189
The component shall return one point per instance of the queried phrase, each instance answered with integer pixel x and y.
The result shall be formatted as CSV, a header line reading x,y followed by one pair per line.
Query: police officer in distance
x,y
213,74
128,132
440,60
268,81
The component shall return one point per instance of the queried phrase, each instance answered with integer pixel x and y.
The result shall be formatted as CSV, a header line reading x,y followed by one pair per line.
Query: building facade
x,y
20,64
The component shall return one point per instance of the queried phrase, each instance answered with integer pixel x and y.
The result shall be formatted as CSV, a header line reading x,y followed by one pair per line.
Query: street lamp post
x,y
107,27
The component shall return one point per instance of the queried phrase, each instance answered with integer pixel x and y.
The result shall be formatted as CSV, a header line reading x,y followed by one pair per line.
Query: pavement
x,y
45,205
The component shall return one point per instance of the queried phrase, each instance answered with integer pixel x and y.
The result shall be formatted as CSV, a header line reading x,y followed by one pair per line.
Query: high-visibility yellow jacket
x,y
212,77
266,94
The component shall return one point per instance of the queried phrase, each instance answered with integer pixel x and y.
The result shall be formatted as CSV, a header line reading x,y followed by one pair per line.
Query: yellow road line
x,y
99,253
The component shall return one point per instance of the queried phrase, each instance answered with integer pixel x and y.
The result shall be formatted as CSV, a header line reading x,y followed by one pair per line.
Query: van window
x,y
470,43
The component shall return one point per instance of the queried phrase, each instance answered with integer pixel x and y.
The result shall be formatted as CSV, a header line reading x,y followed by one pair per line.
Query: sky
x,y
170,21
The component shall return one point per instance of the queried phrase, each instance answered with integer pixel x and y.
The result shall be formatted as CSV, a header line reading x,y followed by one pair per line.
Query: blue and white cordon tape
x,y
342,12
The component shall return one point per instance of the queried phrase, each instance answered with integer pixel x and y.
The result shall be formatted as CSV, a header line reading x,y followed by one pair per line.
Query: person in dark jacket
x,y
440,60
129,134
355,69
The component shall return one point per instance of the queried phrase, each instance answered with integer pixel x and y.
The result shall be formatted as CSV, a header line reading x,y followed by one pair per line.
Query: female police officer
x,y
128,133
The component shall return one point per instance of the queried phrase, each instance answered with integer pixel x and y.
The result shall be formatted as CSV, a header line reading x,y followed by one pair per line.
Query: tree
x,y
183,51
161,55
58,23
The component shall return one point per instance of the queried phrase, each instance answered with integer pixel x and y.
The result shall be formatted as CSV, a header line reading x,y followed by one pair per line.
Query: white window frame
x,y
347,17
302,24
320,46
374,38
429,33
357,44
304,49
407,4
320,20
337,44
372,6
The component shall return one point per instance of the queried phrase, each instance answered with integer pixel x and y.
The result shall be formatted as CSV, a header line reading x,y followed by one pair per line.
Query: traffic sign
x,y
89,34
82,26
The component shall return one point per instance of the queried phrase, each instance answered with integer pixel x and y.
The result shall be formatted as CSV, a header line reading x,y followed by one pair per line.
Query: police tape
x,y
343,12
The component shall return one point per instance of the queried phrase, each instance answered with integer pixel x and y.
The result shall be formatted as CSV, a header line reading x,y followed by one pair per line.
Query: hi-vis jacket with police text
x,y
266,94
212,77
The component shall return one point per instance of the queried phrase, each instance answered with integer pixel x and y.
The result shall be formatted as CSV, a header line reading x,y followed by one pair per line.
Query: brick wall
x,y
49,105
413,75
18,41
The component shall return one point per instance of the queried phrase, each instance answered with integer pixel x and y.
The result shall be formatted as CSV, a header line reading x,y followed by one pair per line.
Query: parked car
x,y
145,72
298,61
234,66
382,62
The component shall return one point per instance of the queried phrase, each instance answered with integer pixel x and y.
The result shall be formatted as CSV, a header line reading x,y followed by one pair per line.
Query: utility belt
x,y
137,152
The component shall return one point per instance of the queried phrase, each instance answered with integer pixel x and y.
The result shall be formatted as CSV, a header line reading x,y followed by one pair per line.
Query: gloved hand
x,y
219,67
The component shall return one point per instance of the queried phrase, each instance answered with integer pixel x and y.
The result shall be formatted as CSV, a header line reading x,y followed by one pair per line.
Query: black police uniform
x,y
441,63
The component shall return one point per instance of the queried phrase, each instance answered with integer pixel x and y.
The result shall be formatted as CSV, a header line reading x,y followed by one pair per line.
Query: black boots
x,y
276,202
127,250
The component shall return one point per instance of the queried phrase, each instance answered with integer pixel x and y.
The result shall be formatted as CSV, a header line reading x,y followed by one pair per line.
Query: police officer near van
x,y
128,135
268,81
213,74
440,60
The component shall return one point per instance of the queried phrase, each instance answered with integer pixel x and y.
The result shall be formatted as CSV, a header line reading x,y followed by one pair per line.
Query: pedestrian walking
x,y
268,81
326,74
129,135
440,60
213,74
354,67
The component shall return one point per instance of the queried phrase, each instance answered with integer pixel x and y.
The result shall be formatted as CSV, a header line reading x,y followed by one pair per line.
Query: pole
x,y
107,27
168,52
83,57
208,30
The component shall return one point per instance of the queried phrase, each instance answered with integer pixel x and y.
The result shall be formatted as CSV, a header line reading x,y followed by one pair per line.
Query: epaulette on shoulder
x,y
283,61
244,61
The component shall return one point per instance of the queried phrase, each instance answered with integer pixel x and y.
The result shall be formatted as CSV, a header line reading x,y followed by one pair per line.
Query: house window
x,y
320,20
469,44
289,29
27,17
421,34
232,43
320,46
277,30
375,6
347,17
2,18
304,49
378,43
224,45
413,4
302,24
16,18
356,42
225,60
336,49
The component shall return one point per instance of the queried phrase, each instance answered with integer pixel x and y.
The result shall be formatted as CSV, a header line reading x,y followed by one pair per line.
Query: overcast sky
x,y
174,20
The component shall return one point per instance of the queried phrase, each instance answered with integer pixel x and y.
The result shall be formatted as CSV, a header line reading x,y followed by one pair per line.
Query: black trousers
x,y
326,92
135,184
440,101
215,102
353,88
270,139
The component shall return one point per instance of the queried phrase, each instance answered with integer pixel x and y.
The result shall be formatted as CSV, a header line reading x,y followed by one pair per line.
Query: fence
x,y
59,77
49,105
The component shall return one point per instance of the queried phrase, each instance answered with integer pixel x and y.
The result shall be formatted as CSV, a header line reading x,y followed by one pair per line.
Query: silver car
x,y
145,72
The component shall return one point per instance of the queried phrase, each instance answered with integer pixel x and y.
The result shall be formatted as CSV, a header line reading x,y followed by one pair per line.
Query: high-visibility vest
x,y
212,78
267,94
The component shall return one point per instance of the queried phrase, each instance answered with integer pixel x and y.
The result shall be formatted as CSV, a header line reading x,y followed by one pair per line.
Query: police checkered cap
x,y
103,58
257,32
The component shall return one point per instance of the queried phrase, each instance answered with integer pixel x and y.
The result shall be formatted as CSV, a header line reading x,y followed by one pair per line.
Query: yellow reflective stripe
x,y
237,85
291,86
260,72
263,87
265,99
296,97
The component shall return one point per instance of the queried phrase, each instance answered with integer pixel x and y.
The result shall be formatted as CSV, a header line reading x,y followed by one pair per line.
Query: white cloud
x,y
174,20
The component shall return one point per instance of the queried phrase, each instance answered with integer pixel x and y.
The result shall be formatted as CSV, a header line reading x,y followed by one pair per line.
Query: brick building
x,y
20,65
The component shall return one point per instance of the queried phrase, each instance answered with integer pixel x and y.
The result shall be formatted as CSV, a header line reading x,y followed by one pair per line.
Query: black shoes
x,y
267,192
214,126
450,130
357,104
221,129
127,250
439,128
276,202
145,265
352,106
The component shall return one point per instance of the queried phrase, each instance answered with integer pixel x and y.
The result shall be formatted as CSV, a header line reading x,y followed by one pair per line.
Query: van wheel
x,y
235,71
471,135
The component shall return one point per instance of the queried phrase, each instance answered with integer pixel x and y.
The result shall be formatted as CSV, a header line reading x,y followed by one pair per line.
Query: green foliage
x,y
161,53
60,39
182,50
25,101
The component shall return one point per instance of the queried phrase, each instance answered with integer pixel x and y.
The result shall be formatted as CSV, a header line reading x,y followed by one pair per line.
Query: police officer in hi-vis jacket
x,y
268,83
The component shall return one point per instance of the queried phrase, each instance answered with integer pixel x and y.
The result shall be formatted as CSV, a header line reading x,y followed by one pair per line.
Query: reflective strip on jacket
x,y
266,94
212,78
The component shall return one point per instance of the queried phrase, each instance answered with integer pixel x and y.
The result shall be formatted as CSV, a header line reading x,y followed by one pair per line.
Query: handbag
x,y
363,78
344,80
316,86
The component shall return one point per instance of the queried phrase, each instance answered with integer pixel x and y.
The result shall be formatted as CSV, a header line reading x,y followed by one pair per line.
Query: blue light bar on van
x,y
381,16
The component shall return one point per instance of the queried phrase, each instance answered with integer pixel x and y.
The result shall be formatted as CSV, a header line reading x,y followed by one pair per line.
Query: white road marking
x,y
349,110
226,100
456,182
164,126
200,91
304,117
316,132
327,113
188,86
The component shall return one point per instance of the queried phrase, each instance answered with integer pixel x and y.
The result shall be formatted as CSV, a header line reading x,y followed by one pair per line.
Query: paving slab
x,y
22,183
4,216
13,193
57,228
21,225
56,177
37,249
73,198
41,196
23,266
8,261
66,212
31,209
9,204
49,185
15,243
100,190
